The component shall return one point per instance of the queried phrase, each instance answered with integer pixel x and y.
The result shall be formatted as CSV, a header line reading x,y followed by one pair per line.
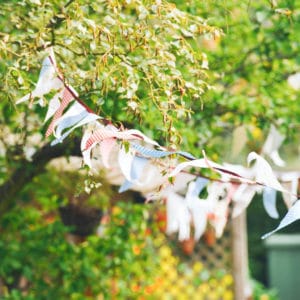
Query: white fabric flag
x,y
198,208
221,216
218,199
53,105
72,116
264,173
136,170
125,159
178,216
292,187
269,201
242,198
292,215
89,118
47,81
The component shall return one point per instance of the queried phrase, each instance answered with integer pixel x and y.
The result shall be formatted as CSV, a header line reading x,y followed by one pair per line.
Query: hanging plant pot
x,y
210,236
82,219
188,246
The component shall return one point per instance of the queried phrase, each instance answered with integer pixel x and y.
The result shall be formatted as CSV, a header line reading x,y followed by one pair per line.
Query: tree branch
x,y
54,23
27,170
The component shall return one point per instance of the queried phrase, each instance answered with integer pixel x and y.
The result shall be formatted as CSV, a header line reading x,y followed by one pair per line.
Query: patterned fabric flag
x,y
105,133
67,97
159,153
86,154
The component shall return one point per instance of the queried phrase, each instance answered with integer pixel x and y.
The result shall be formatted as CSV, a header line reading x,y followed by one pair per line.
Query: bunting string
x,y
148,167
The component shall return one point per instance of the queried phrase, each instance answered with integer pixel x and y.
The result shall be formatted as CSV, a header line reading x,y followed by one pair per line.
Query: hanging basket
x,y
210,236
188,246
82,219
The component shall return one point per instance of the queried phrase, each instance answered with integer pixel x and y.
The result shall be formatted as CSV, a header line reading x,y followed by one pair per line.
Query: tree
x,y
145,64
128,61
141,62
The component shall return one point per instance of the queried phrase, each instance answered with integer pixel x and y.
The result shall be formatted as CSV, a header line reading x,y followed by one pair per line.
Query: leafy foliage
x,y
250,67
128,59
38,261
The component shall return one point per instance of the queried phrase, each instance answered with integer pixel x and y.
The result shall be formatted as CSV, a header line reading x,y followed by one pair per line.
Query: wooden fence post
x,y
242,289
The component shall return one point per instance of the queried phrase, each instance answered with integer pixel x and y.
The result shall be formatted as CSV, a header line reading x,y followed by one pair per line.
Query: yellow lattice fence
x,y
205,273
209,269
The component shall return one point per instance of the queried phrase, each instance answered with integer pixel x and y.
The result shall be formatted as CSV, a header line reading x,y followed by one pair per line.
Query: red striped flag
x,y
67,97
103,134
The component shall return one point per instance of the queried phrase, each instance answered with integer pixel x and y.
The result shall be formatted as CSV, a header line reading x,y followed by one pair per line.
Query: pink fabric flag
x,y
67,97
103,134
106,147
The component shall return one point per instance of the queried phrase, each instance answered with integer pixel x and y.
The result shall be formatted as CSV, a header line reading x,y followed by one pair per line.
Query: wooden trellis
x,y
217,271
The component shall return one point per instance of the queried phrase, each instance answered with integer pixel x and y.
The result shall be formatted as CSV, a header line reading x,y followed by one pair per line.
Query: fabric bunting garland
x,y
146,166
